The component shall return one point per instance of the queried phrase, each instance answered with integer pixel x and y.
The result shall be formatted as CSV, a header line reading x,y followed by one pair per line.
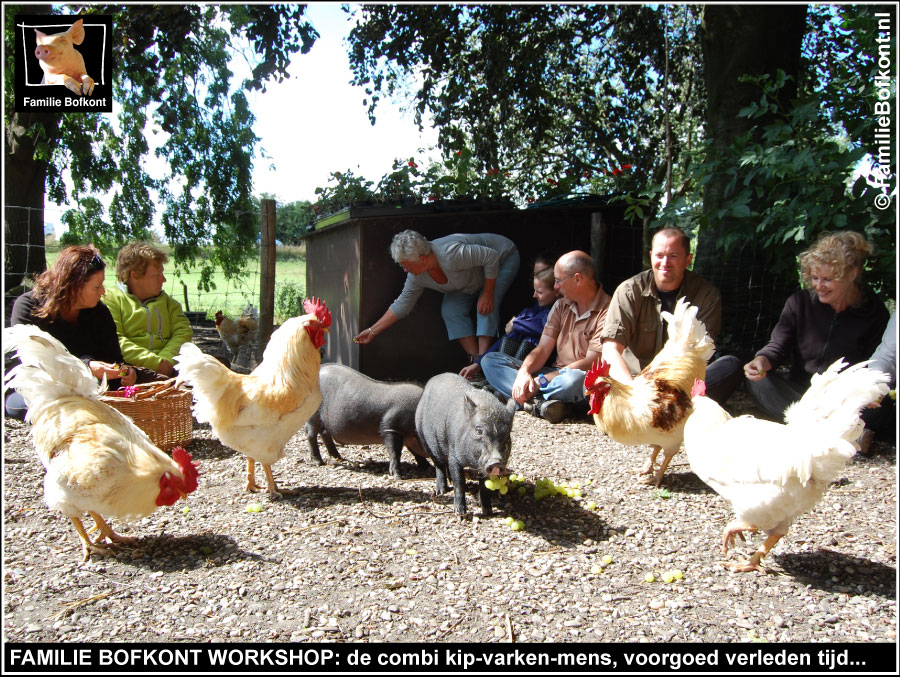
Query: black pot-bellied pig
x,y
462,426
356,409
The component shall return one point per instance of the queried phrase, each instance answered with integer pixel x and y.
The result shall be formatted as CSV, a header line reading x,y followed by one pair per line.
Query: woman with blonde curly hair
x,y
65,302
836,316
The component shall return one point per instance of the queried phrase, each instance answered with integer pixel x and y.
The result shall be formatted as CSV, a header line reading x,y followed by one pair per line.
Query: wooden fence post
x,y
267,273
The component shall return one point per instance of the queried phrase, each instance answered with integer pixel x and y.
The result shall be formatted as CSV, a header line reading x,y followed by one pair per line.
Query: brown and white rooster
x,y
97,460
652,408
773,473
240,333
257,413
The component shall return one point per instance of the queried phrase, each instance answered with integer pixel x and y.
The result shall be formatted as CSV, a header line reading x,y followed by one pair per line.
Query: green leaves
x,y
173,81
799,170
546,93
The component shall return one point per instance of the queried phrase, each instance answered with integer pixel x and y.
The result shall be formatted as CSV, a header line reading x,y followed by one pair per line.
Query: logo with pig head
x,y
63,63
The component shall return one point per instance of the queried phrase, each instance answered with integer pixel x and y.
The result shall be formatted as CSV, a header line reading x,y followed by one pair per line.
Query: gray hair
x,y
409,245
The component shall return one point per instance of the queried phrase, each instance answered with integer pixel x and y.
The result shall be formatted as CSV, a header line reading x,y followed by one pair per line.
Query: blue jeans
x,y
501,369
457,307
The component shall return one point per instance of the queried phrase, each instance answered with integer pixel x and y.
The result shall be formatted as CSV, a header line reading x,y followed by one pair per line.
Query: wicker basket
x,y
161,409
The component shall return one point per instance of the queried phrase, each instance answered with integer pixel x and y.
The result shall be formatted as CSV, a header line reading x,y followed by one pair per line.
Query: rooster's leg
x,y
87,545
274,491
252,486
648,466
657,479
754,563
732,529
107,532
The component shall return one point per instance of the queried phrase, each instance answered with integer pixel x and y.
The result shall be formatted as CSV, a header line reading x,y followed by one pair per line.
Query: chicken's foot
x,y
252,486
274,491
107,532
88,547
733,529
755,561
667,458
647,468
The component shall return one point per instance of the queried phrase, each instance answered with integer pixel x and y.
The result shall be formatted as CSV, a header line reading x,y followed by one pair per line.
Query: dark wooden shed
x,y
350,267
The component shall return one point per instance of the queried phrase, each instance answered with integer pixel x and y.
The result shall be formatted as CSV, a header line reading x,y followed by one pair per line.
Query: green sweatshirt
x,y
151,331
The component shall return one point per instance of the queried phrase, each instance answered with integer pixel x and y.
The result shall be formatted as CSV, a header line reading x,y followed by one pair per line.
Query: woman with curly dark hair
x,y
65,302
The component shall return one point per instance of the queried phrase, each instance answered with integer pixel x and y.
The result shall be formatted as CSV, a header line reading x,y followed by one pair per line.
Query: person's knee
x,y
15,406
497,360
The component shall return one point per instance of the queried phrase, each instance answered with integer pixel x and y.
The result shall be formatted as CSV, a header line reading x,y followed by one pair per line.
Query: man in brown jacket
x,y
634,331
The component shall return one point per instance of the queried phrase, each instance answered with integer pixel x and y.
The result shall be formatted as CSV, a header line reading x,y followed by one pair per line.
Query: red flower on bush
x,y
412,164
553,182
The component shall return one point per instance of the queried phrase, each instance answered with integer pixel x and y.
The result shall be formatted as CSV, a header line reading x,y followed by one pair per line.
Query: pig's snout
x,y
42,52
495,469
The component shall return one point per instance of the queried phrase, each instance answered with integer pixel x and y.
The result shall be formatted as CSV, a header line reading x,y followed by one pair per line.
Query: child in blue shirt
x,y
527,325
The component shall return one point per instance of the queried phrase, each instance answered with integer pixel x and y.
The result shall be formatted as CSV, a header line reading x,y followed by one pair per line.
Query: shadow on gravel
x,y
176,553
210,449
683,483
408,470
314,497
819,568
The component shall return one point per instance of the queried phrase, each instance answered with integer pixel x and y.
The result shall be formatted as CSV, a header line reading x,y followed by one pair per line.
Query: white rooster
x,y
773,473
97,460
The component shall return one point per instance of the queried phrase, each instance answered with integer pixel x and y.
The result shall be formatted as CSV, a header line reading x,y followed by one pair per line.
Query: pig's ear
x,y
76,32
40,36
511,407
470,405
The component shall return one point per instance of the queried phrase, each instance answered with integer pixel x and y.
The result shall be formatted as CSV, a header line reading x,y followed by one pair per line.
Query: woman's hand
x,y
111,371
365,336
485,303
755,369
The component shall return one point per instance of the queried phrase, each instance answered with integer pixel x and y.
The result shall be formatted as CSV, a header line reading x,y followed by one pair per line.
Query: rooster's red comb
x,y
699,388
317,307
598,369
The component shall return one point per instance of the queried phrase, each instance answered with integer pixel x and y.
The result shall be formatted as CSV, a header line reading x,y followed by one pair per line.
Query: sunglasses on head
x,y
96,263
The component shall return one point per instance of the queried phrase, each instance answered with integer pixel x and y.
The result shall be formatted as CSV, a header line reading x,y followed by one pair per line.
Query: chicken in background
x,y
238,334
257,413
97,460
653,408
772,473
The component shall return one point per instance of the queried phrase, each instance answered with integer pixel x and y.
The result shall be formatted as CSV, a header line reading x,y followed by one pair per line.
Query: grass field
x,y
229,296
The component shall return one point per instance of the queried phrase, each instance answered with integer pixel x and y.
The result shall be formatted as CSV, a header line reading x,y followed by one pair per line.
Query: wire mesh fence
x,y
31,245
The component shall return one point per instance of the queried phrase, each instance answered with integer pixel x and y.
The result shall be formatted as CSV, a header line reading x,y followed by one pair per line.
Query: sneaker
x,y
553,411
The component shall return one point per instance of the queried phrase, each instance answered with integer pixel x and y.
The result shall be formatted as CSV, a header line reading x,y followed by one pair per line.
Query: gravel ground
x,y
357,556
